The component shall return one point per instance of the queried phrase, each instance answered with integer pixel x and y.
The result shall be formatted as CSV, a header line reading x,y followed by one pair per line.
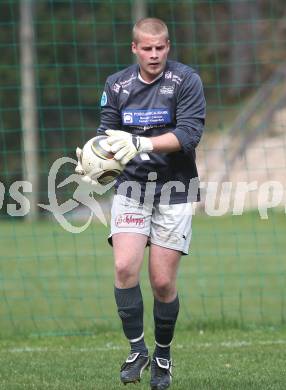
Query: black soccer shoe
x,y
131,370
161,373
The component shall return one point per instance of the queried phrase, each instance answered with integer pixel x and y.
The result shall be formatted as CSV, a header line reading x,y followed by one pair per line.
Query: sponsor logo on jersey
x,y
103,99
144,128
116,88
168,75
177,79
127,118
126,83
130,220
154,116
167,90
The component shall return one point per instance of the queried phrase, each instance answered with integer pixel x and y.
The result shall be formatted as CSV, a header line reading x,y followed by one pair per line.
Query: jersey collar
x,y
146,82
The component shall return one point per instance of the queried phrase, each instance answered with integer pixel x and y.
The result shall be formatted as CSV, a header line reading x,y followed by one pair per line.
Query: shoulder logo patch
x,y
103,99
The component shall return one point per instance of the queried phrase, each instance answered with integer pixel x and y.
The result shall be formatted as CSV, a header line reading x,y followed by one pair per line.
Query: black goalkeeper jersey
x,y
175,103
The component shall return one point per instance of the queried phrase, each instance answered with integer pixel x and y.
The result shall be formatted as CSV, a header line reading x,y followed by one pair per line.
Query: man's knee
x,y
163,287
124,272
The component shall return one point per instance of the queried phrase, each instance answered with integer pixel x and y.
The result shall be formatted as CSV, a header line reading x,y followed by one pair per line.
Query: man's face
x,y
152,52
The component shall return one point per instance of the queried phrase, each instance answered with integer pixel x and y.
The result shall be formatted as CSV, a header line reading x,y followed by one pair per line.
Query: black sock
x,y
130,309
165,317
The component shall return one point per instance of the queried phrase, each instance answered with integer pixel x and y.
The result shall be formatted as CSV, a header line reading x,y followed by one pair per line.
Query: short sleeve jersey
x,y
175,103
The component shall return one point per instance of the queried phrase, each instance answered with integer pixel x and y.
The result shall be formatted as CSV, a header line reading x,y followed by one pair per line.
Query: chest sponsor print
x,y
167,90
152,116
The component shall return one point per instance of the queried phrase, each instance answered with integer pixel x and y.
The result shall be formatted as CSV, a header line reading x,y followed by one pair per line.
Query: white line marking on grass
x,y
109,347
233,344
26,349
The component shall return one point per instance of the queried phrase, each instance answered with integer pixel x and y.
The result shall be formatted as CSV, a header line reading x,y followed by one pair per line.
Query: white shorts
x,y
169,226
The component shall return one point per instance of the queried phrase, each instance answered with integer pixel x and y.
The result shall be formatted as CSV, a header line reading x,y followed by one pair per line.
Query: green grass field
x,y
59,327
56,282
229,359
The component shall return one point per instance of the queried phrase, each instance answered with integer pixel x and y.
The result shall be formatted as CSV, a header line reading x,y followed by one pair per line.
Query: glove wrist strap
x,y
142,144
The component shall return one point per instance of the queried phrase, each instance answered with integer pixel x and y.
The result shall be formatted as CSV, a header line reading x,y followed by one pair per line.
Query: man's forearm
x,y
165,143
125,146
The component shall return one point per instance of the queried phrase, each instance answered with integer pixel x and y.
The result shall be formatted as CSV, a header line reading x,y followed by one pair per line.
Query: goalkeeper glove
x,y
126,146
80,171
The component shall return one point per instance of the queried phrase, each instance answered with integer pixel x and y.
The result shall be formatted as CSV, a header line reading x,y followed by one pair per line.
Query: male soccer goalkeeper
x,y
156,110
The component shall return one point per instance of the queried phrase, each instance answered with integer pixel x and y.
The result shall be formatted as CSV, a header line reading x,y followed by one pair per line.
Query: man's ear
x,y
169,45
134,47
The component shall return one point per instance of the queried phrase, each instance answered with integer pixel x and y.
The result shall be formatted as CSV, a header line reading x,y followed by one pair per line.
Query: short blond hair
x,y
152,26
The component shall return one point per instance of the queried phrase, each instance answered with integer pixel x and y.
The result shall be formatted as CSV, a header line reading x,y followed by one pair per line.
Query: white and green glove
x,y
126,146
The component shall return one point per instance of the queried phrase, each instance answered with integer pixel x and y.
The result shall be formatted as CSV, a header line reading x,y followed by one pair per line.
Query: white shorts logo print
x,y
131,220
